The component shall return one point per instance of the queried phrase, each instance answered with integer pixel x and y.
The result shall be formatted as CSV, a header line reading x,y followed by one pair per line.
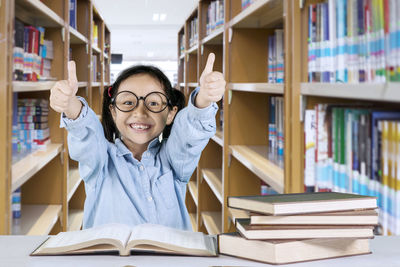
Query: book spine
x,y
332,40
309,136
341,9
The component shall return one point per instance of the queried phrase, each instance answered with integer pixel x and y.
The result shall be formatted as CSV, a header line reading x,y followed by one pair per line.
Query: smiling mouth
x,y
140,126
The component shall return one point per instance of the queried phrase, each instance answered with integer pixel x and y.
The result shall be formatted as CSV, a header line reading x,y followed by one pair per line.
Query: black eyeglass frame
x,y
141,98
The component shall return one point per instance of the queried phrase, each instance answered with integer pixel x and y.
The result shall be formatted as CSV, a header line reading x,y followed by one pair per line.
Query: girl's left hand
x,y
212,85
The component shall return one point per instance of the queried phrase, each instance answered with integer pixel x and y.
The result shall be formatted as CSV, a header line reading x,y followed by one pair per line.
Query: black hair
x,y
175,96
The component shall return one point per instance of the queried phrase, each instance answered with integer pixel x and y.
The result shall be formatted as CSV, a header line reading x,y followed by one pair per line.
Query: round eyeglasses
x,y
127,101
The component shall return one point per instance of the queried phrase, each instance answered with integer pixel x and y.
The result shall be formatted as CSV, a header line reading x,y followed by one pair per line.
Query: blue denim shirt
x,y
121,189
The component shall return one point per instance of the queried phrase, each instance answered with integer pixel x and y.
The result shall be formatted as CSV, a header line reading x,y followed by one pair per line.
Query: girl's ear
x,y
171,115
112,110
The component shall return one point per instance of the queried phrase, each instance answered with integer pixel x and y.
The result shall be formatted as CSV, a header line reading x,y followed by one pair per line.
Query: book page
x,y
174,237
117,232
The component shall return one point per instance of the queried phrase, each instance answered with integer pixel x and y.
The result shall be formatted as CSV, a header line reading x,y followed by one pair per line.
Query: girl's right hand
x,y
63,94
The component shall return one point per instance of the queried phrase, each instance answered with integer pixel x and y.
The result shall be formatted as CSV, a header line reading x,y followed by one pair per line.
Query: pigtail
x,y
110,129
177,99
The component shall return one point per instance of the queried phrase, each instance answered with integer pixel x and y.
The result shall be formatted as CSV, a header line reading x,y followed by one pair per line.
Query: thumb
x,y
72,80
210,64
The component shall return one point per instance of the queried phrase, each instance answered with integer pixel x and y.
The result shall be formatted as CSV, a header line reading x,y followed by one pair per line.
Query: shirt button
x,y
141,168
149,198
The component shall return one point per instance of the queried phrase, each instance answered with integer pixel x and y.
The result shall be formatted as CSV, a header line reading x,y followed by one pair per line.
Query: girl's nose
x,y
140,109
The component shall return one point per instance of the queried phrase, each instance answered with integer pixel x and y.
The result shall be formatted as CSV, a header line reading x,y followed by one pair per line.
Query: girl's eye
x,y
153,103
130,103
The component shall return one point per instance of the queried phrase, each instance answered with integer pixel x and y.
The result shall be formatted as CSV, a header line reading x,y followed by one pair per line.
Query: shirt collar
x,y
122,150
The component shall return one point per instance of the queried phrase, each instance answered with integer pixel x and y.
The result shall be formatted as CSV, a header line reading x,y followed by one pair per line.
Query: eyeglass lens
x,y
127,101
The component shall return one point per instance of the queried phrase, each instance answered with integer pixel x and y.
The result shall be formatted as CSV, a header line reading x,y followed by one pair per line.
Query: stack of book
x,y
32,124
291,228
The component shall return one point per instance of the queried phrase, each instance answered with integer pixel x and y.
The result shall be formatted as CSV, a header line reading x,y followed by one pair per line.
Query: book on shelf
x,y
72,13
290,251
124,240
356,217
301,203
263,232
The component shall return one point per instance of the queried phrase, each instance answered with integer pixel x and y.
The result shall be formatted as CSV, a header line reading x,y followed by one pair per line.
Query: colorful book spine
x,y
310,147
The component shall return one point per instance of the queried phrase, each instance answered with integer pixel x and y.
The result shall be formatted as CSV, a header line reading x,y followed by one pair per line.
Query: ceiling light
x,y
163,16
156,17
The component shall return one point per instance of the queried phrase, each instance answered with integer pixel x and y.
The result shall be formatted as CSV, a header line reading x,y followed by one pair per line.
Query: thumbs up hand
x,y
212,85
63,94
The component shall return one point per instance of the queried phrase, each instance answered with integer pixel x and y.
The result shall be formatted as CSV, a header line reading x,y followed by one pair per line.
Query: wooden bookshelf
x,y
50,191
193,191
32,86
236,160
257,87
28,166
255,158
213,178
212,222
36,219
193,220
75,220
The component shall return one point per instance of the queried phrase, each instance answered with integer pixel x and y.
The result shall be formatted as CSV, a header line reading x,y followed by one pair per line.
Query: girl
x,y
131,176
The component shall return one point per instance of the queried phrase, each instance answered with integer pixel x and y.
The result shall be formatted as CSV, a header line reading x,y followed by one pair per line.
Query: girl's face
x,y
139,126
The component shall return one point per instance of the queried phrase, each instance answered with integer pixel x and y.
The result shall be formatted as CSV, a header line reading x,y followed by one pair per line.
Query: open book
x,y
124,239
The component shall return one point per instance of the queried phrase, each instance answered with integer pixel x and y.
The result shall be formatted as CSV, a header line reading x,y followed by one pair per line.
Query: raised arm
x,y
86,142
195,124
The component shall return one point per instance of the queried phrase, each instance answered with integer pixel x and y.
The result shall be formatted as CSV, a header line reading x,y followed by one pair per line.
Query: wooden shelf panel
x,y
76,37
193,220
82,84
182,84
75,219
215,37
387,92
96,49
260,14
193,191
182,56
237,214
74,180
35,12
96,84
269,88
36,219
218,137
19,86
213,177
193,49
193,85
256,160
212,221
25,168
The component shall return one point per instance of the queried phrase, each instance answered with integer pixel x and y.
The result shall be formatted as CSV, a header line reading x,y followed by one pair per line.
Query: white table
x,y
15,250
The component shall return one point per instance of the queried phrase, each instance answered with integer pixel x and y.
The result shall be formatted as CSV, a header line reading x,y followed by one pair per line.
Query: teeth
x,y
140,126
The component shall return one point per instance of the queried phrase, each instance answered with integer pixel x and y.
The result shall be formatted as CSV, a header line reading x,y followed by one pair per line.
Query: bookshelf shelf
x,y
32,86
193,49
77,37
35,12
25,168
212,221
386,92
218,138
193,220
193,85
215,37
96,49
182,84
96,84
74,181
255,159
213,177
182,56
82,84
36,219
254,16
75,219
193,191
257,87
